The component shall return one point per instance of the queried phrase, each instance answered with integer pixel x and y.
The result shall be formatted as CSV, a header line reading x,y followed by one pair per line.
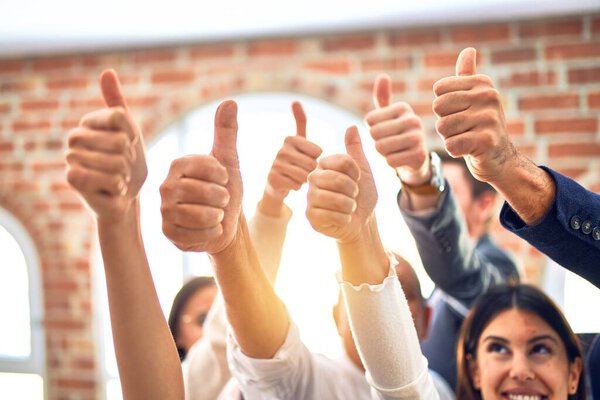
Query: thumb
x,y
111,89
300,118
466,64
382,91
225,140
354,147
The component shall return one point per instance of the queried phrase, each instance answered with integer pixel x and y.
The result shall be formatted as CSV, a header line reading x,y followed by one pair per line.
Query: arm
x,y
341,201
106,165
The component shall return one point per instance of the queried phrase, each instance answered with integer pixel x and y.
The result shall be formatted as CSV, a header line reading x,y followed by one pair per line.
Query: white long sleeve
x,y
387,341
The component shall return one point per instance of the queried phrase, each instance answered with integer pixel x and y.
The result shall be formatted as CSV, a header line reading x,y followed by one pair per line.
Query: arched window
x,y
309,260
21,336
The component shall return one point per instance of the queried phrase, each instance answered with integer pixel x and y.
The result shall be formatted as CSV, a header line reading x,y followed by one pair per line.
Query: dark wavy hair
x,y
190,288
506,297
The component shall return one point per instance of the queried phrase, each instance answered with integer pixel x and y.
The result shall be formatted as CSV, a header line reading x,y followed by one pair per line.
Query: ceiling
x,y
36,27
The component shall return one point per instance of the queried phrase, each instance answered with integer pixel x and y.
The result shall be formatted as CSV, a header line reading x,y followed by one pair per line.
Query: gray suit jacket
x,y
461,271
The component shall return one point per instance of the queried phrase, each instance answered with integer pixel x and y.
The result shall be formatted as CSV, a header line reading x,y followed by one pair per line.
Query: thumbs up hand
x,y
398,134
202,194
341,193
105,155
471,120
295,160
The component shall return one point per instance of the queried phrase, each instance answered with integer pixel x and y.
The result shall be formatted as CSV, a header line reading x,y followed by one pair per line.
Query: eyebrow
x,y
532,340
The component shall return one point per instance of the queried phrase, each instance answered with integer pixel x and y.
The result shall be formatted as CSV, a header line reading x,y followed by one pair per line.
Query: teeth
x,y
524,397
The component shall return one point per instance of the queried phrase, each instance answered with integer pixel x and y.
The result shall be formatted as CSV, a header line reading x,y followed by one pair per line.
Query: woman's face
x,y
192,316
520,357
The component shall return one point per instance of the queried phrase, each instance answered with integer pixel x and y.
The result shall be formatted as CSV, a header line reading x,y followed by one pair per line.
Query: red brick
x,y
584,75
35,105
54,145
60,187
594,100
7,66
338,67
551,29
173,77
154,56
481,33
45,166
87,104
214,51
573,50
566,125
67,83
17,86
348,43
46,64
26,126
513,55
572,173
272,48
524,79
398,86
574,149
415,38
515,128
596,26
73,383
11,166
5,108
25,186
142,101
422,109
64,324
426,84
62,284
84,363
6,147
387,64
69,123
440,59
549,101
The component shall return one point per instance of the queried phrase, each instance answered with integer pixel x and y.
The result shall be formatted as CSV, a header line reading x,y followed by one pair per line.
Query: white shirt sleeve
x,y
288,375
387,340
205,368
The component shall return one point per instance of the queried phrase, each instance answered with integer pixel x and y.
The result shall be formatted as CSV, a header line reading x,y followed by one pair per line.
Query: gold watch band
x,y
425,189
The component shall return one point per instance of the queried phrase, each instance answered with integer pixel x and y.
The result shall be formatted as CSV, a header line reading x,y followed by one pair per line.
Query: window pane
x,y
21,386
14,299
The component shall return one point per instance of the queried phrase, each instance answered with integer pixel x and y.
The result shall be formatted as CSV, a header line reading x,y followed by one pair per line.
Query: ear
x,y
486,202
474,371
574,374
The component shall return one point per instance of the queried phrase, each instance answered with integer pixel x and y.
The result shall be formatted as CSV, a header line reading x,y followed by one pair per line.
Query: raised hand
x,y
342,194
295,160
105,156
202,194
398,134
471,120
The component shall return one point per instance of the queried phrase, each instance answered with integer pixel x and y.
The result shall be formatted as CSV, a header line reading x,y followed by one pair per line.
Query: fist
x,y
471,119
105,155
398,134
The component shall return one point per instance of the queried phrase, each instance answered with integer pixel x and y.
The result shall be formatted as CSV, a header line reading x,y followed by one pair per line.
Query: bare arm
x,y
106,165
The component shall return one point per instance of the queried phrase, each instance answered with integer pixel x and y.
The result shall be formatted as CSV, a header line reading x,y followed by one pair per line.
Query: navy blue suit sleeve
x,y
569,233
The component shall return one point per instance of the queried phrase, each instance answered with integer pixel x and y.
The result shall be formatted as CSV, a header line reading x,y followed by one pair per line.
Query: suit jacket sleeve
x,y
570,231
449,256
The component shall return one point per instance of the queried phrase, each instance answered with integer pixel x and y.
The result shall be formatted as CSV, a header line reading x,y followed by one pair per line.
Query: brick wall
x,y
547,70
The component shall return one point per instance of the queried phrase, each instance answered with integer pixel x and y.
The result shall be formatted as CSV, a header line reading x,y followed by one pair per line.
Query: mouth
x,y
519,396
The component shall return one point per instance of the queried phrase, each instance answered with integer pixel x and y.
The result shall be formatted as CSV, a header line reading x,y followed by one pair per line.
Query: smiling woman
x,y
515,344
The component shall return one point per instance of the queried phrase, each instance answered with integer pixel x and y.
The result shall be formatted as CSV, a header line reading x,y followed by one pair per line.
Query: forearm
x,y
148,363
528,189
364,260
257,316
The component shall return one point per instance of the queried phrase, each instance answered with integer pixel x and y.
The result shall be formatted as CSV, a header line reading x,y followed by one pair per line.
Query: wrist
x,y
271,204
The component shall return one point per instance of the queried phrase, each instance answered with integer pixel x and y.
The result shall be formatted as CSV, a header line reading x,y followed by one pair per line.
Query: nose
x,y
521,368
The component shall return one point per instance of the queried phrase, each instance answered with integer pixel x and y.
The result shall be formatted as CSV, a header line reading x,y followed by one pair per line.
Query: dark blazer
x,y
461,271
569,233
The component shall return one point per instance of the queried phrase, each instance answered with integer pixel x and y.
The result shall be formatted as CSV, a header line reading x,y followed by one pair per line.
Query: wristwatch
x,y
436,184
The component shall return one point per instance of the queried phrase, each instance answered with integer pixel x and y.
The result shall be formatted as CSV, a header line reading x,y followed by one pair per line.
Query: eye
x,y
497,348
540,349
